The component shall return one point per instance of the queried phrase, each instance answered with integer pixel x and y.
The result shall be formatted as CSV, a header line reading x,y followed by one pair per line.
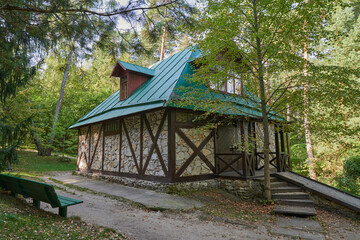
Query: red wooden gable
x,y
129,79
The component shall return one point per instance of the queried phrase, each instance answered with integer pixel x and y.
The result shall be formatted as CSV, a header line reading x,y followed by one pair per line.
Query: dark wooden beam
x,y
217,166
77,154
243,153
255,146
277,149
141,141
103,149
288,151
171,145
88,163
120,143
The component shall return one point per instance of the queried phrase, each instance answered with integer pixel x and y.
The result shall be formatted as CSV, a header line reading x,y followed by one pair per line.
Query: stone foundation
x,y
244,189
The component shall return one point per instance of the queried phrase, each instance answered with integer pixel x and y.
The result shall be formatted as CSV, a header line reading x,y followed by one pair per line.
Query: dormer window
x,y
123,87
131,77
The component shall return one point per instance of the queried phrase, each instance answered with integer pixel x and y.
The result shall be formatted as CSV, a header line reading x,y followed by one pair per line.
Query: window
x,y
112,127
123,87
233,85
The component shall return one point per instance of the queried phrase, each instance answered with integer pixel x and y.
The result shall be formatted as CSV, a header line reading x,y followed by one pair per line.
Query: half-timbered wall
x,y
90,147
168,145
132,145
194,147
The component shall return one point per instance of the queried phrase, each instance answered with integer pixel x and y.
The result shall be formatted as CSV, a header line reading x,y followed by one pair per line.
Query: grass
x,y
22,221
31,163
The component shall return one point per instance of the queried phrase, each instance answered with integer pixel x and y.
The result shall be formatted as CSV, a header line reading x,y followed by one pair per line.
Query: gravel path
x,y
143,224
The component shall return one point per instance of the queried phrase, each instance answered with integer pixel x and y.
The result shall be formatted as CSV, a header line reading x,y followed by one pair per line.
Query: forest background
x,y
55,66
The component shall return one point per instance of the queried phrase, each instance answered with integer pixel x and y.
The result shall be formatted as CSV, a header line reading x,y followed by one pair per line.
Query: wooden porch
x,y
249,163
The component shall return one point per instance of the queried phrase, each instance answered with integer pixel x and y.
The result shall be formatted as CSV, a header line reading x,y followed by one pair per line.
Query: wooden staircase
x,y
290,199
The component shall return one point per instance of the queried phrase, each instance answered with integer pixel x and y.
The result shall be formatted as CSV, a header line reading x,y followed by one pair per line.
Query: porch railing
x,y
250,163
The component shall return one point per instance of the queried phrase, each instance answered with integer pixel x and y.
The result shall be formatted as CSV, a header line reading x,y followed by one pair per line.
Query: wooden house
x,y
138,132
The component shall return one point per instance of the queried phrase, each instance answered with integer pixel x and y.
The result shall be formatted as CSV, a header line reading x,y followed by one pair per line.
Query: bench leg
x,y
63,211
36,203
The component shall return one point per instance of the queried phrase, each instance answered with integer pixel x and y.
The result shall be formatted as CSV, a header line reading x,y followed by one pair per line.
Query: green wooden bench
x,y
39,192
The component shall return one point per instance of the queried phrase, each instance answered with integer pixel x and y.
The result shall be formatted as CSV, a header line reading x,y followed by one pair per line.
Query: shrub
x,y
352,167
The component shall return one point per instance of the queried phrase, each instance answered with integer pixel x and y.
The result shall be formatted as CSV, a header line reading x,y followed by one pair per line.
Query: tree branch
x,y
120,11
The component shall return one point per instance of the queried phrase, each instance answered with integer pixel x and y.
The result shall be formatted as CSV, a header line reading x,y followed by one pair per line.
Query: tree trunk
x,y
58,105
265,120
163,38
268,84
288,113
309,146
39,146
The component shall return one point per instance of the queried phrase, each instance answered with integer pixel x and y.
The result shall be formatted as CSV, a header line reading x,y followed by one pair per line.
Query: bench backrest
x,y
28,188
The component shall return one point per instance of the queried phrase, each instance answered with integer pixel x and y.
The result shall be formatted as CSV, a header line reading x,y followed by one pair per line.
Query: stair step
x,y
290,195
285,189
275,179
295,210
296,202
272,179
280,184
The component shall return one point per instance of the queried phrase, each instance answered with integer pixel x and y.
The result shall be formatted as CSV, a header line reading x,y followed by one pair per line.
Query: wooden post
x,y
288,151
88,161
249,149
243,153
120,143
255,147
172,144
36,203
77,155
141,141
103,151
277,149
216,160
282,144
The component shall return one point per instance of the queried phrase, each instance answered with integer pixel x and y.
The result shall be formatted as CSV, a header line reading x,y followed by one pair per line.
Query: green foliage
x,y
87,86
347,184
352,167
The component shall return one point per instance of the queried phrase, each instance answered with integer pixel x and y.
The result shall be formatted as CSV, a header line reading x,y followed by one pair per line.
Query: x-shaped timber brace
x,y
196,151
89,160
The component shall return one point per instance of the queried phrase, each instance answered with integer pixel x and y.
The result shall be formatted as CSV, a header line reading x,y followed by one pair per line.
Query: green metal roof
x,y
136,68
169,75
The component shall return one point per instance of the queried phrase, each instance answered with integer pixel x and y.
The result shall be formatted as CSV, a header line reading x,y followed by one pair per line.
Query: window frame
x,y
223,88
